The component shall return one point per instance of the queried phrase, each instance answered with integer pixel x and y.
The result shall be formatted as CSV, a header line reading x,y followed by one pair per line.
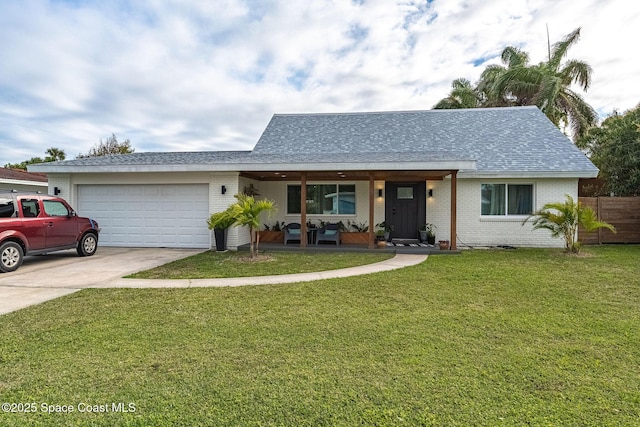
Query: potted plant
x,y
444,245
381,241
219,222
427,233
388,228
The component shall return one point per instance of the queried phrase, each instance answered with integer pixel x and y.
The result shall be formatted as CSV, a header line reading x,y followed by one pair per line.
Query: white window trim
x,y
506,217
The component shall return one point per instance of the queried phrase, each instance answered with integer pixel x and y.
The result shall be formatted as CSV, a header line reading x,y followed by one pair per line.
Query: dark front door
x,y
405,208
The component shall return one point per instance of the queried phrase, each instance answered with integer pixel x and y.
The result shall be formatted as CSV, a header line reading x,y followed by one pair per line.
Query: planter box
x,y
271,236
345,237
354,238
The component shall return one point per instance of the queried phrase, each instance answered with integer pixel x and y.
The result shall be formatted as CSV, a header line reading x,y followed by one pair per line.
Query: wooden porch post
x,y
303,209
454,204
372,243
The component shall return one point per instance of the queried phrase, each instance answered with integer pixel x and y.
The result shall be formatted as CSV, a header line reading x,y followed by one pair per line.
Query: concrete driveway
x,y
41,278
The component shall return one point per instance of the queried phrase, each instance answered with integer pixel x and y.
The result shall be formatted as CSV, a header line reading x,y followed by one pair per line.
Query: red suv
x,y
32,224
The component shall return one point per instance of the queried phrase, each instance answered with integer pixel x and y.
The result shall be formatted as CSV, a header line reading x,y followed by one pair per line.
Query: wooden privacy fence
x,y
621,212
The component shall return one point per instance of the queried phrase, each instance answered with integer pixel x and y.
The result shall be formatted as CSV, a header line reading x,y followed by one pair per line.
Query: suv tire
x,y
88,245
11,256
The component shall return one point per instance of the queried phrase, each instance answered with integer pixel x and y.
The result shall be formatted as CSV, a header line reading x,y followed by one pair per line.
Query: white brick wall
x,y
475,230
63,182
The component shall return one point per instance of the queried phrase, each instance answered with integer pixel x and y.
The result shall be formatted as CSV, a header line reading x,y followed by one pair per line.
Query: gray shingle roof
x,y
502,141
160,158
518,139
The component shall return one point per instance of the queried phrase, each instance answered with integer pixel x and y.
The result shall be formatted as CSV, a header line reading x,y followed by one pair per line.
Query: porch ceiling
x,y
348,175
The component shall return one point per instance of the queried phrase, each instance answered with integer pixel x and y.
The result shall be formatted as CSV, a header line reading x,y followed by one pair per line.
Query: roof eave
x,y
529,174
24,182
259,167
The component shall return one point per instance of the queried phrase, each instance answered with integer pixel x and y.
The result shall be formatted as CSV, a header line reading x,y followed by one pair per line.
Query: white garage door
x,y
172,216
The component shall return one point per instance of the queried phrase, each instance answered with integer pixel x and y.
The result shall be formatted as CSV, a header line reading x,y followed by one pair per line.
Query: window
x,y
405,193
507,199
30,208
53,208
323,199
6,208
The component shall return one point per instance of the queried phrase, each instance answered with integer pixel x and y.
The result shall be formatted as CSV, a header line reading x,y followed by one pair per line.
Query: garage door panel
x,y
148,215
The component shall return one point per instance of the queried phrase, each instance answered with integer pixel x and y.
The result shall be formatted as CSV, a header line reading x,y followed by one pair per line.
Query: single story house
x,y
20,180
475,174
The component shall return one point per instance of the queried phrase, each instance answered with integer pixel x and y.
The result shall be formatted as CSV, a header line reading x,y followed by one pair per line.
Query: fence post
x,y
599,207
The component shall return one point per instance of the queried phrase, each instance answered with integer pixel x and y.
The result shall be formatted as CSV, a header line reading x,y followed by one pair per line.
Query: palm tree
x,y
563,219
548,86
512,57
246,212
54,154
462,95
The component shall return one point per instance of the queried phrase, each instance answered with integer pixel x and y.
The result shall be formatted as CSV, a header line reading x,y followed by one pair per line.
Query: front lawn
x,y
211,264
523,337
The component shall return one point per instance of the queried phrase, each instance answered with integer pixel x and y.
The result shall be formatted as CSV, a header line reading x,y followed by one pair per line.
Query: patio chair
x,y
292,232
329,233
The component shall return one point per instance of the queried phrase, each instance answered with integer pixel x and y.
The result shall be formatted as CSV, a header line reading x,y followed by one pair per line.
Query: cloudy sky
x,y
191,75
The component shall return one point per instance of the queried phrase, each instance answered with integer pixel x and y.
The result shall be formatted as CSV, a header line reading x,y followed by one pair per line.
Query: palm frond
x,y
578,72
561,48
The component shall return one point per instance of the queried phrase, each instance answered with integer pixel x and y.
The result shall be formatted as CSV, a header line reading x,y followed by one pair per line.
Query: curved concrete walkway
x,y
399,261
61,273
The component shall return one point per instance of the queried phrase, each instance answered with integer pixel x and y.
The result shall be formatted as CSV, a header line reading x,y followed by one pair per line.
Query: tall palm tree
x,y
548,86
462,95
512,57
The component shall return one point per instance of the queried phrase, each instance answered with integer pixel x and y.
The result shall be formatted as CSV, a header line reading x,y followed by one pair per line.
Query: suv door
x,y
33,226
62,228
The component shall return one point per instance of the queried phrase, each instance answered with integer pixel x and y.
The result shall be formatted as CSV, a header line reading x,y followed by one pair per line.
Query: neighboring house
x,y
475,174
16,179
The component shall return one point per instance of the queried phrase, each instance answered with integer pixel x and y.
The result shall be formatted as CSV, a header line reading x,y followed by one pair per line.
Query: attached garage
x,y
167,215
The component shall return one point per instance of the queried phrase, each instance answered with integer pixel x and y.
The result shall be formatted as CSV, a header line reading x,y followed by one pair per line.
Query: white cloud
x,y
192,75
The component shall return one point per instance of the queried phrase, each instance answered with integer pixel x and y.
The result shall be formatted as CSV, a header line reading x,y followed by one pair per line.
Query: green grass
x,y
487,338
213,264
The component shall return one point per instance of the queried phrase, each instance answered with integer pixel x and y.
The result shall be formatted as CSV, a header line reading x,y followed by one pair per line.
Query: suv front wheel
x,y
88,245
11,256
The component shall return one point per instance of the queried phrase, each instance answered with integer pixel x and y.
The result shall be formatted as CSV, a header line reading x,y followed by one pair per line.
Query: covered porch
x,y
397,197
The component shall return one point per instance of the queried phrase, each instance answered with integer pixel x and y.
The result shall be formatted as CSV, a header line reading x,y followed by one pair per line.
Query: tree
x,y
563,219
53,155
462,95
511,57
614,147
108,147
548,86
247,211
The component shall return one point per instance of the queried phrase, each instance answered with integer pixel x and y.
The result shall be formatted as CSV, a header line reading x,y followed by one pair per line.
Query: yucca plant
x,y
563,219
247,211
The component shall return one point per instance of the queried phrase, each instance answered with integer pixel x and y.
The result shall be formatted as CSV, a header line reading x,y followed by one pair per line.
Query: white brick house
x,y
475,174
